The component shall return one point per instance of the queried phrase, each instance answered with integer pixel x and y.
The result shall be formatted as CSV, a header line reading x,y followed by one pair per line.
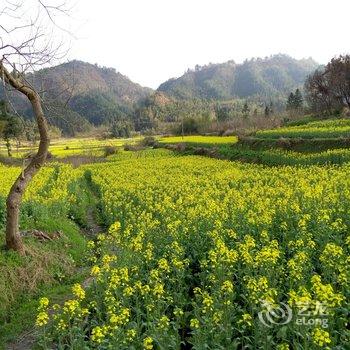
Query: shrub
x,y
110,150
133,148
188,126
149,141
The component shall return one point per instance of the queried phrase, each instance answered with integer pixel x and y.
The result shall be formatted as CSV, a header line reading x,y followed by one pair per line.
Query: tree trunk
x,y
8,146
14,199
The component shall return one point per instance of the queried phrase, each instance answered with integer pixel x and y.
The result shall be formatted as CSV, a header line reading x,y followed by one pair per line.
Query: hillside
x,y
269,77
86,93
78,78
96,93
79,94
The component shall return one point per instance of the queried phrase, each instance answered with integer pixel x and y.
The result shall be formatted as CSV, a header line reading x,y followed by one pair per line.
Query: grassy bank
x,y
272,147
53,212
295,144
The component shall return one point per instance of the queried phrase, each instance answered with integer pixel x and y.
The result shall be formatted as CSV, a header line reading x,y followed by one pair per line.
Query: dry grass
x,y
25,274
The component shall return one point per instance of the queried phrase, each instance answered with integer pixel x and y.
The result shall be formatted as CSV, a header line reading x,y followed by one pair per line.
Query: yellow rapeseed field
x,y
337,128
69,147
199,139
209,253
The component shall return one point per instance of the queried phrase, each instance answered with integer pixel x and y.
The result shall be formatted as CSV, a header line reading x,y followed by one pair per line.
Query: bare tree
x,y
318,92
338,72
26,44
328,89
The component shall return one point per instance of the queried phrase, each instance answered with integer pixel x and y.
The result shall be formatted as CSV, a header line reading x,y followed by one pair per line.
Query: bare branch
x,y
51,10
26,42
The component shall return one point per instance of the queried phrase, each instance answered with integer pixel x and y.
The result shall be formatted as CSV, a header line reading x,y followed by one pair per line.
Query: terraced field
x,y
68,147
318,129
197,139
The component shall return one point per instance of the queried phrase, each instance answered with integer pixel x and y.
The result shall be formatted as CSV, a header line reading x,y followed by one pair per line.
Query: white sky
x,y
151,41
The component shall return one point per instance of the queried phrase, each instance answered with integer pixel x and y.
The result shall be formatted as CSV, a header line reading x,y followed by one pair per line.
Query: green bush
x,y
188,126
110,150
149,141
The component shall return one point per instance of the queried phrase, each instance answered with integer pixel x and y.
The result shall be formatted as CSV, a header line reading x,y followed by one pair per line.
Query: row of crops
x,y
198,139
205,253
50,185
278,157
68,147
333,128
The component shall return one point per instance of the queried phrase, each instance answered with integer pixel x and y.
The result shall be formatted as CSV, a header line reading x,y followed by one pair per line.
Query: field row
x,y
69,147
317,129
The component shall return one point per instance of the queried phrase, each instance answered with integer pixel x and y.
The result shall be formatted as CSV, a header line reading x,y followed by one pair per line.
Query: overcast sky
x,y
151,41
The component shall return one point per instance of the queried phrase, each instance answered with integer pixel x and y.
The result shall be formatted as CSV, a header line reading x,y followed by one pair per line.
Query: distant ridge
x,y
79,94
266,77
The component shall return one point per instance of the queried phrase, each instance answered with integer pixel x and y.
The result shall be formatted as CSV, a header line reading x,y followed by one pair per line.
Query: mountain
x,y
96,93
77,78
270,77
78,94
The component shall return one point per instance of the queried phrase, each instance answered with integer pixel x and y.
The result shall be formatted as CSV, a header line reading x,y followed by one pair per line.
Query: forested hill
x,y
97,93
269,77
78,94
80,78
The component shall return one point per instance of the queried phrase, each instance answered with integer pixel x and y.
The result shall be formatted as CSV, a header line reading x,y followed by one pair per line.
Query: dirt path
x,y
25,341
93,226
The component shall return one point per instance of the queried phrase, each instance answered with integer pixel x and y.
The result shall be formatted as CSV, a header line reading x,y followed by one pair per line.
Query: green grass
x,y
304,120
21,316
311,145
49,266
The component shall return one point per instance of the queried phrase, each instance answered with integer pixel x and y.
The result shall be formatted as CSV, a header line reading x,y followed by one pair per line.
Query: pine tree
x,y
290,102
245,110
295,101
298,100
11,126
267,111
